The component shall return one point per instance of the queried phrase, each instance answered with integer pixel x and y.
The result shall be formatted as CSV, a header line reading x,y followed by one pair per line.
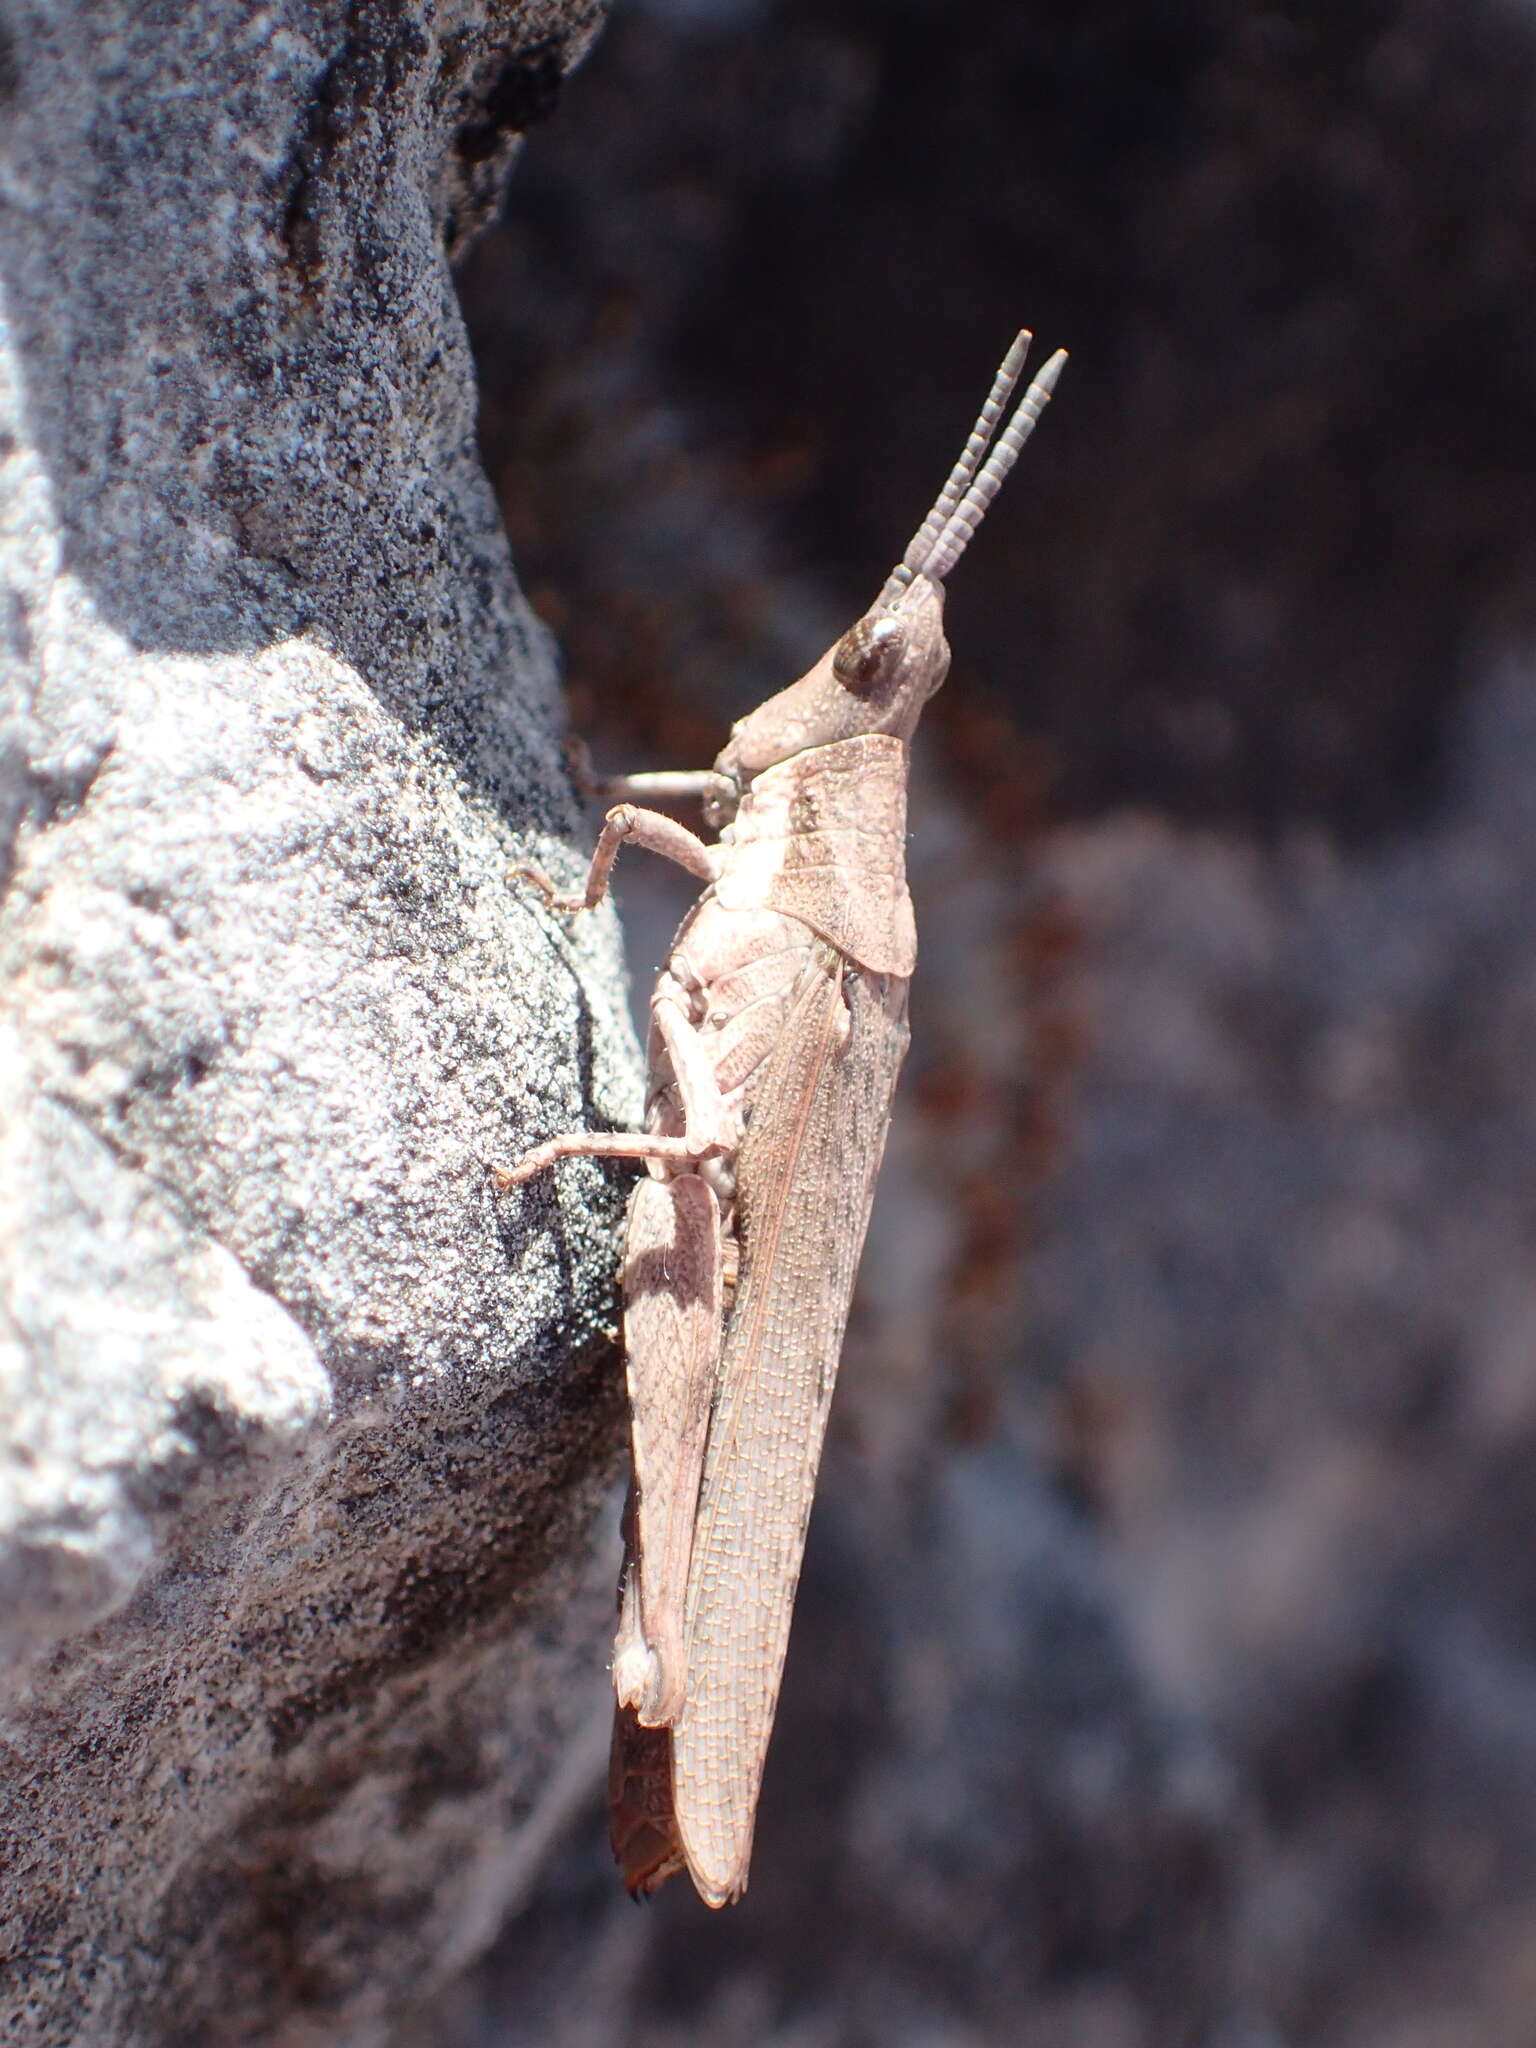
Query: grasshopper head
x,y
884,669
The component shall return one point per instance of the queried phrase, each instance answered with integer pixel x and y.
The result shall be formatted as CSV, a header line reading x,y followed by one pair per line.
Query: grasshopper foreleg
x,y
651,829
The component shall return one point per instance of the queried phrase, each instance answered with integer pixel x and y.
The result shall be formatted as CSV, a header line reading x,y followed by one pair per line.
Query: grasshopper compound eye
x,y
868,655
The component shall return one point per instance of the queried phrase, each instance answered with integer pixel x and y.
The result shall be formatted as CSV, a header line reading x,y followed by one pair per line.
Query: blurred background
x,y
1165,1665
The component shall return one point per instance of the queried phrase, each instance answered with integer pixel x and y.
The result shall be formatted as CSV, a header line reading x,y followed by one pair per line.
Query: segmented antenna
x,y
967,515
957,511
921,544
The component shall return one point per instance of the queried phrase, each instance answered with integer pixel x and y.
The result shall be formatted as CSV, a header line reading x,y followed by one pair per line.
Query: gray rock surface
x,y
305,1554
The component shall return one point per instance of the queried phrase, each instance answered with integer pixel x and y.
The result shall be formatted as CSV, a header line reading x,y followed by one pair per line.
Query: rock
x,y
308,1438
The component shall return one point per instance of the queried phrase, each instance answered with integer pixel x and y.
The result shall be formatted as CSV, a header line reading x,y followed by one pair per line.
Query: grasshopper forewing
x,y
803,1209
778,1026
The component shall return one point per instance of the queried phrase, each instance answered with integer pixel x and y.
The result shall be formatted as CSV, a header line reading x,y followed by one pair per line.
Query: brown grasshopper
x,y
778,1026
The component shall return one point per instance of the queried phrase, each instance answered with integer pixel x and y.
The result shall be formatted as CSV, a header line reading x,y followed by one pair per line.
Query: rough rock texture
x,y
304,1549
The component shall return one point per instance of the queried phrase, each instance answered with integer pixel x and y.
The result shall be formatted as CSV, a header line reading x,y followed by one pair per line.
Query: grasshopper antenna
x,y
921,545
979,493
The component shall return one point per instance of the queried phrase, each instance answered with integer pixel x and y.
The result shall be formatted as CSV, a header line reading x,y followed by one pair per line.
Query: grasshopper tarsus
x,y
554,899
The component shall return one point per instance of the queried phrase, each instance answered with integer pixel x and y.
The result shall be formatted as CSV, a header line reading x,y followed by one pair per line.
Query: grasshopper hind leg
x,y
641,1825
673,1312
674,1263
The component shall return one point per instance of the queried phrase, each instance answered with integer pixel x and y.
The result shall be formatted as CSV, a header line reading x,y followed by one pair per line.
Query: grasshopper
x,y
778,1026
